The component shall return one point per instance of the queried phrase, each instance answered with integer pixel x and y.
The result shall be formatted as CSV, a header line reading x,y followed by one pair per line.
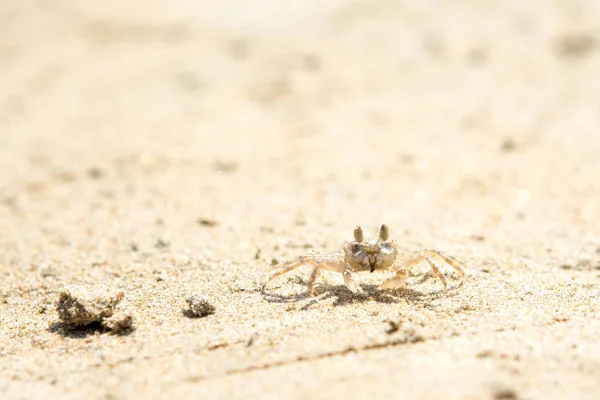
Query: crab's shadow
x,y
371,292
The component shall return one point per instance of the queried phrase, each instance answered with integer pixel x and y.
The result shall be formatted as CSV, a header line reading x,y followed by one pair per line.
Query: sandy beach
x,y
158,158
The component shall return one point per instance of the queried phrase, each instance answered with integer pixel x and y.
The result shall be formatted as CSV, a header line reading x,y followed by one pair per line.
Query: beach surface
x,y
158,158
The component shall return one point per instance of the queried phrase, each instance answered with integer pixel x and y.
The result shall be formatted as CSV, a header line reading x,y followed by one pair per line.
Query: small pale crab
x,y
381,254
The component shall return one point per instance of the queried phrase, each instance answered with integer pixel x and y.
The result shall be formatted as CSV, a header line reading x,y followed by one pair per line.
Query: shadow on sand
x,y
371,292
95,328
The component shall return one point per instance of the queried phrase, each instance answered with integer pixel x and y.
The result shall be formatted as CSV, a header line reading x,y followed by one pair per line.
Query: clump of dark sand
x,y
81,306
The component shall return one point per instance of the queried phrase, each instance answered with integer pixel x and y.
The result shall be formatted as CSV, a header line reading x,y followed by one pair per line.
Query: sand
x,y
176,150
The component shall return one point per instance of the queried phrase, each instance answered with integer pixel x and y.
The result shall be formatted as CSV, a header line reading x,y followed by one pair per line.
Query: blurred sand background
x,y
174,148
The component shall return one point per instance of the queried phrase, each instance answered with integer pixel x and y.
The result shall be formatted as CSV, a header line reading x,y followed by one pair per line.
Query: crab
x,y
359,255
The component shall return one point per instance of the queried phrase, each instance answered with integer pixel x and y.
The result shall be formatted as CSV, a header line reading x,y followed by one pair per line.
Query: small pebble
x,y
199,307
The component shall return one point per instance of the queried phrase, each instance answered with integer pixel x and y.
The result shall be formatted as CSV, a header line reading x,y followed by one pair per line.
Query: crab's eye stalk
x,y
384,233
358,234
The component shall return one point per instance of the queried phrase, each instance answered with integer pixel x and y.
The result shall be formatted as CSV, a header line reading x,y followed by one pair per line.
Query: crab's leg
x,y
397,281
324,261
437,271
420,258
320,261
289,266
453,262
312,279
349,280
